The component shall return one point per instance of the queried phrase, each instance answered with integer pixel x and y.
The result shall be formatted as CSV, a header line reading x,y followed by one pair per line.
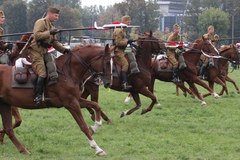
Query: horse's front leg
x,y
74,109
93,106
204,85
137,100
6,113
18,121
227,78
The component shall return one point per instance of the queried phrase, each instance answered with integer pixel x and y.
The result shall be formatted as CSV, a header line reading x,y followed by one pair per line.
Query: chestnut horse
x,y
65,92
15,111
189,74
218,73
141,82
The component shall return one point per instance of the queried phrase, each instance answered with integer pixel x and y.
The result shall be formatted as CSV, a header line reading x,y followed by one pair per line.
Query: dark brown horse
x,y
189,74
141,82
65,93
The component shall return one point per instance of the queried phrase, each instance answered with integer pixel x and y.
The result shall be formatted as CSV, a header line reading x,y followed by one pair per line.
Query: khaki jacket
x,y
174,38
3,46
120,40
42,37
211,37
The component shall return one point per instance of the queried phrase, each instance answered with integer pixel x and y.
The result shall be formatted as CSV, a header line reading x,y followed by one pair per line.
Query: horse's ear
x,y
150,33
107,48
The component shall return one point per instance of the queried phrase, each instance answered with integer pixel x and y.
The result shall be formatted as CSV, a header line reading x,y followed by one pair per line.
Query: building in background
x,y
171,12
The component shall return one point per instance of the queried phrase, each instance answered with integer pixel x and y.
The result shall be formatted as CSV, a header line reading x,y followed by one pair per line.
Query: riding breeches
x,y
204,59
38,64
120,58
171,57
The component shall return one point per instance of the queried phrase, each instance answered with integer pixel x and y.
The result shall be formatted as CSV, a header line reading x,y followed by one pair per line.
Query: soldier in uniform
x,y
44,36
120,41
4,59
208,61
173,49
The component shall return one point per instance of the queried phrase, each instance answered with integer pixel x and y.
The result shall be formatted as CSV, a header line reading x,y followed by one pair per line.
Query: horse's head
x,y
230,52
148,44
206,46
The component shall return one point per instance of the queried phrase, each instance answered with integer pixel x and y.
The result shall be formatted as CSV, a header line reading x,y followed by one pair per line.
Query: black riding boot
x,y
202,71
125,85
39,90
175,76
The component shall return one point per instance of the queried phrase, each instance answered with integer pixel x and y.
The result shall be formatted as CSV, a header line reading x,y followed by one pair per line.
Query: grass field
x,y
180,129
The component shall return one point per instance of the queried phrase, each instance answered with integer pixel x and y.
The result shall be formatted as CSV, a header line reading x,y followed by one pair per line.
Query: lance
x,y
61,30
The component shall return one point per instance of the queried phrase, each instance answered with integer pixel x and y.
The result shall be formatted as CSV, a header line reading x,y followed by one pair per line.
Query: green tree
x,y
142,13
216,17
16,16
37,8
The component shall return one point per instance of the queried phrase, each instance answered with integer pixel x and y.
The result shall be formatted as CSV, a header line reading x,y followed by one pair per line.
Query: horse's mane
x,y
224,48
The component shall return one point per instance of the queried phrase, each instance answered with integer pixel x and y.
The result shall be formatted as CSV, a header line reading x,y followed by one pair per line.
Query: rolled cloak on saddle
x,y
132,60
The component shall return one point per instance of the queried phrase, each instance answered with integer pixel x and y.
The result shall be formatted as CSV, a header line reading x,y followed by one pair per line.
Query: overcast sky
x,y
99,2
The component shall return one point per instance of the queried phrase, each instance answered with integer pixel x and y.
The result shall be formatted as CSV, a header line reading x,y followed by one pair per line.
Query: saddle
x,y
22,74
164,64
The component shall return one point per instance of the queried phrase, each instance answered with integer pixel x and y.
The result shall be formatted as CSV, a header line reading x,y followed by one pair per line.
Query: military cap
x,y
53,10
2,13
126,19
175,26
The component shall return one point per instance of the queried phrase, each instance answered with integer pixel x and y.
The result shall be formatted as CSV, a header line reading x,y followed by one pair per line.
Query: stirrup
x,y
126,87
176,80
38,99
52,82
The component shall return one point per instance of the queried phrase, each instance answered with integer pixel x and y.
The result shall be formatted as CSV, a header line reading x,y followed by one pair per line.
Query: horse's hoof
x,y
101,153
2,138
109,122
158,104
203,103
144,111
25,151
185,94
122,115
238,92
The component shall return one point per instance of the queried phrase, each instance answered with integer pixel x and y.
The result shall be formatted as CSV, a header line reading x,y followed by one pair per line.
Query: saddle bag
x,y
20,75
163,63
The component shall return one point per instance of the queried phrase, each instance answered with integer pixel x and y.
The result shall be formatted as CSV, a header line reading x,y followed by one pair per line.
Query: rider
x,y
120,41
172,49
3,46
208,61
44,34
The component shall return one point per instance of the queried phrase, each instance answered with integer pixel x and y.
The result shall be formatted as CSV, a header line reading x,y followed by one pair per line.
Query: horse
x,y
141,82
15,111
218,73
188,74
65,93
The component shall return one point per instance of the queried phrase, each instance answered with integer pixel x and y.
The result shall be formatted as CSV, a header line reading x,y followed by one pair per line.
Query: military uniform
x,y
38,50
206,60
43,38
4,57
120,42
171,50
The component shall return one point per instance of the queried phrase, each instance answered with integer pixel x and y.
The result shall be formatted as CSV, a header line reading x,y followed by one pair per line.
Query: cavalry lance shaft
x,y
61,30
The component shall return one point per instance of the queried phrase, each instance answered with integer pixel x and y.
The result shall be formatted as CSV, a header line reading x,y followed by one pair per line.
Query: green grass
x,y
180,129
